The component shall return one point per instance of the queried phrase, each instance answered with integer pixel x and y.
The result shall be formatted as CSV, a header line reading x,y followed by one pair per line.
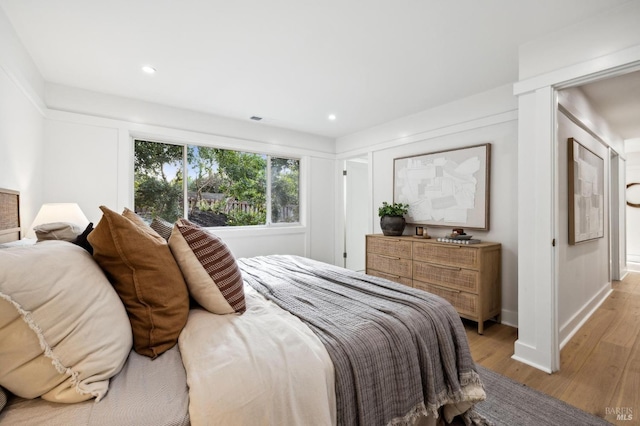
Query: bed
x,y
269,340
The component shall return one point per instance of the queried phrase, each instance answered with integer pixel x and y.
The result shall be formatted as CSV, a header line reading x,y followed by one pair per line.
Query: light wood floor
x,y
599,367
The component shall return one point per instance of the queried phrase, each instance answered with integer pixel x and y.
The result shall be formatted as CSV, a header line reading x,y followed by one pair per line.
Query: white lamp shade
x,y
59,212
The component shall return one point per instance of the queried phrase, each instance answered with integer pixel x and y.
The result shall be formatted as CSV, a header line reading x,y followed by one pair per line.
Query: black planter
x,y
392,226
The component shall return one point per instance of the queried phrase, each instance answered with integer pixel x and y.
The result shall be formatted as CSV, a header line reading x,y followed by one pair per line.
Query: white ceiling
x,y
293,62
617,100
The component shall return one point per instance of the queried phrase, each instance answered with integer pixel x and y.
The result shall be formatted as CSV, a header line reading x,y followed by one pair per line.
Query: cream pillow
x,y
57,231
63,329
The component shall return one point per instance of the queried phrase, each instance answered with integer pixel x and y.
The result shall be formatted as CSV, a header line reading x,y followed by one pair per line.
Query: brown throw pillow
x,y
211,271
140,223
147,279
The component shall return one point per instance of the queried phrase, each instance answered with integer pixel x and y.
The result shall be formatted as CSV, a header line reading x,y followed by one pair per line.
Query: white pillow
x,y
58,231
63,328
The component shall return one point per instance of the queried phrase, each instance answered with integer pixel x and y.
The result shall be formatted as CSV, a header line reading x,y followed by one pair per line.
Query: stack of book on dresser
x,y
458,240
458,236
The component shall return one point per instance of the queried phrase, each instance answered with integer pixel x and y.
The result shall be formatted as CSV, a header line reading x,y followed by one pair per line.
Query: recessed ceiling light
x,y
149,69
255,118
332,117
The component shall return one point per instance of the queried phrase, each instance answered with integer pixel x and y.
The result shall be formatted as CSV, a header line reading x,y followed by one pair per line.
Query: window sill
x,y
256,231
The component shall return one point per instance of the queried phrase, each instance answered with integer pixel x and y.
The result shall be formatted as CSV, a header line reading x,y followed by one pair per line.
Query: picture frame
x,y
448,188
586,193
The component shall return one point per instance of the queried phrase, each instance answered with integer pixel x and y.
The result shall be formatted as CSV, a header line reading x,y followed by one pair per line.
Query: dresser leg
x,y
480,327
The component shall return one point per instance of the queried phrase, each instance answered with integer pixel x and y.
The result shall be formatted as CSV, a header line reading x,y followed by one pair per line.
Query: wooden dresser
x,y
468,276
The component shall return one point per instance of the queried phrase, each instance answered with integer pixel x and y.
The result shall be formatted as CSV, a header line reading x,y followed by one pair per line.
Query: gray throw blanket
x,y
398,352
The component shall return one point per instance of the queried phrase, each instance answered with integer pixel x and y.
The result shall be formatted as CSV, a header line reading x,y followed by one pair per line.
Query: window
x,y
222,187
285,178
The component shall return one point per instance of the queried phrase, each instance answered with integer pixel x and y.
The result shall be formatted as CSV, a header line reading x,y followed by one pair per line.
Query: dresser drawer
x,y
447,276
444,254
389,264
465,303
402,280
389,247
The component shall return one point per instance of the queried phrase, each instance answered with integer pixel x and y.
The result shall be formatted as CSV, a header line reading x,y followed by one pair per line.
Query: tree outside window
x,y
223,187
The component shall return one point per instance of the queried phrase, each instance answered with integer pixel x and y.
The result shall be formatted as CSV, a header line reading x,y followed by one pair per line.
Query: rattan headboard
x,y
9,215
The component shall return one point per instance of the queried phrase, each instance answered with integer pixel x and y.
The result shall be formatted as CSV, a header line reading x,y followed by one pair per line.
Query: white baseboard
x,y
571,327
623,274
633,266
527,354
509,318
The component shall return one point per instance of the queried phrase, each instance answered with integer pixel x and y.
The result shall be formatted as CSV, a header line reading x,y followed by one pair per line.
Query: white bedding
x,y
264,367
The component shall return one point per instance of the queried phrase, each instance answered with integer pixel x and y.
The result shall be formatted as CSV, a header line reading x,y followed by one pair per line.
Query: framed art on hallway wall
x,y
586,193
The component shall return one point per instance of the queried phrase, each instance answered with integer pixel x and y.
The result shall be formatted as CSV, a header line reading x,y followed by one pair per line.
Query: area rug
x,y
510,403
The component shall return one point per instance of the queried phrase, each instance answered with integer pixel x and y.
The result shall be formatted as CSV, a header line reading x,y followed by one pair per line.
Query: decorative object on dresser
x,y
421,232
586,193
445,188
392,221
468,276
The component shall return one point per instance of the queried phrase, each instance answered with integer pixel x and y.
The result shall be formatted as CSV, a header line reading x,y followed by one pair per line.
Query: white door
x,y
356,213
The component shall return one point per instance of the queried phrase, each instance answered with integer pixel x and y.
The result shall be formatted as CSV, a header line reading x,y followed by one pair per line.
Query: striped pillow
x,y
3,399
209,268
162,227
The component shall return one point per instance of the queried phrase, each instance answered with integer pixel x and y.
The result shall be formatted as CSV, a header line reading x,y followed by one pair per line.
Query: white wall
x,y
321,203
81,166
605,45
70,99
90,161
633,213
21,124
583,273
486,117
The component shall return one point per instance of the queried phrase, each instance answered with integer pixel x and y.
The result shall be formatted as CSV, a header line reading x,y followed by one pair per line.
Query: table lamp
x,y
58,212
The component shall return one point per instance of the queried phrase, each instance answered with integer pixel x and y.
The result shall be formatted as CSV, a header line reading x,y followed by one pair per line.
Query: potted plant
x,y
392,219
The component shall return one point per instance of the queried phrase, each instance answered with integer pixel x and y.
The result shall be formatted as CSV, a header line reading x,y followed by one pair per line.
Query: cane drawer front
x,y
397,278
465,303
394,247
390,265
446,254
447,276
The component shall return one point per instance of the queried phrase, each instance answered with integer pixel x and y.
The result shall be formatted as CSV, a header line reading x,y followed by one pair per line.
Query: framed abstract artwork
x,y
586,193
445,188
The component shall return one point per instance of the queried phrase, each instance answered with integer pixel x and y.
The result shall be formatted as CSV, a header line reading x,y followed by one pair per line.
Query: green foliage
x,y
239,218
243,175
151,158
202,161
395,209
240,176
285,183
158,198
155,195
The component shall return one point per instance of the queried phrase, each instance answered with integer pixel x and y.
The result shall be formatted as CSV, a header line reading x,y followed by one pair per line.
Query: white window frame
x,y
294,227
